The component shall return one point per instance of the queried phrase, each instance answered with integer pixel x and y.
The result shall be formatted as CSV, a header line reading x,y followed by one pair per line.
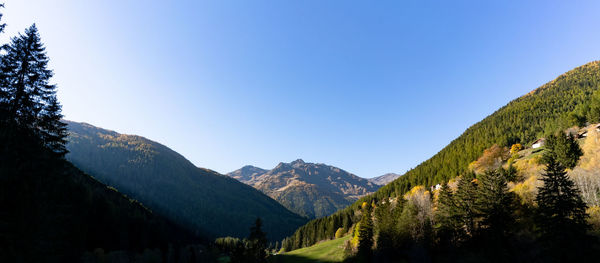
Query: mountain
x,y
51,211
203,200
247,174
384,179
309,189
572,99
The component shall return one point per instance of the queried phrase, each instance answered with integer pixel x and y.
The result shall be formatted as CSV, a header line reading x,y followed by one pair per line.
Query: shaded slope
x,y
201,199
52,212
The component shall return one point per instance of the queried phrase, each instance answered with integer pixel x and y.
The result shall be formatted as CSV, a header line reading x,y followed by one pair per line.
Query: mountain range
x,y
203,200
308,189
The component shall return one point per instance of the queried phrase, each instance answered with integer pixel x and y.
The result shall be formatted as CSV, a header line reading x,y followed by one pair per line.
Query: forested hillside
x,y
571,99
209,203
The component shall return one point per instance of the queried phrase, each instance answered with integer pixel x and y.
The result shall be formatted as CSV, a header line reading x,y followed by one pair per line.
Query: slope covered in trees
x,y
568,100
207,202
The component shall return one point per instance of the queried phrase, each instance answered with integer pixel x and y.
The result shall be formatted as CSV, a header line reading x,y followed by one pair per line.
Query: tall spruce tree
x,y
257,243
449,224
495,204
365,234
28,100
465,201
561,216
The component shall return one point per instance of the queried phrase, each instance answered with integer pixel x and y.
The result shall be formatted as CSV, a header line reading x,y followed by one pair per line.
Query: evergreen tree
x,y
561,216
509,173
257,243
449,224
465,201
494,202
27,98
365,234
389,240
563,149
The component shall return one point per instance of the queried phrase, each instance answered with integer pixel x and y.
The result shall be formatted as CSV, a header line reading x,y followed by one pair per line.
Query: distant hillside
x,y
312,190
570,99
165,181
384,179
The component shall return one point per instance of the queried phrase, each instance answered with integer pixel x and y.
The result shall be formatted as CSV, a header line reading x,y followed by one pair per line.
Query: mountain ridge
x,y
309,189
384,179
164,180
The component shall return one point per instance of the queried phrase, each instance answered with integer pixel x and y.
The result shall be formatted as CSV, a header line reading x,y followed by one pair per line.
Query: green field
x,y
328,251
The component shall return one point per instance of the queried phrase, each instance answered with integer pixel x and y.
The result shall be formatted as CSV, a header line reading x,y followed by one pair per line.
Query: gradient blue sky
x,y
369,86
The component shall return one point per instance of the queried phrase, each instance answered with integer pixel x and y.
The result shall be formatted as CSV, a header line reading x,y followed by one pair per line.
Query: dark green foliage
x,y
249,250
27,98
593,110
200,199
510,173
312,200
365,234
49,210
449,229
495,204
257,243
563,149
52,212
561,216
227,243
466,204
538,113
388,233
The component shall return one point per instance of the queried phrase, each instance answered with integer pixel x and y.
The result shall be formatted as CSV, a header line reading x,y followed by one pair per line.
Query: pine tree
x,y
494,202
563,149
449,229
4,95
465,200
28,100
365,234
561,216
257,243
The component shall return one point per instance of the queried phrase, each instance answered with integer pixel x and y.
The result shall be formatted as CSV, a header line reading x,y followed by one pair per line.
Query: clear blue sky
x,y
368,86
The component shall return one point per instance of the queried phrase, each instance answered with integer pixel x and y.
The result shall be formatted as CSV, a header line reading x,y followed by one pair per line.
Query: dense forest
x,y
571,99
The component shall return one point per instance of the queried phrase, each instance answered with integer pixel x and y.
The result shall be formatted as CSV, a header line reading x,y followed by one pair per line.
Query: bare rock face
x,y
309,189
384,179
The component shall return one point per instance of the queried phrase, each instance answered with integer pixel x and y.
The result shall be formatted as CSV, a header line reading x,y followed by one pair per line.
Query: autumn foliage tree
x,y
491,159
515,148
